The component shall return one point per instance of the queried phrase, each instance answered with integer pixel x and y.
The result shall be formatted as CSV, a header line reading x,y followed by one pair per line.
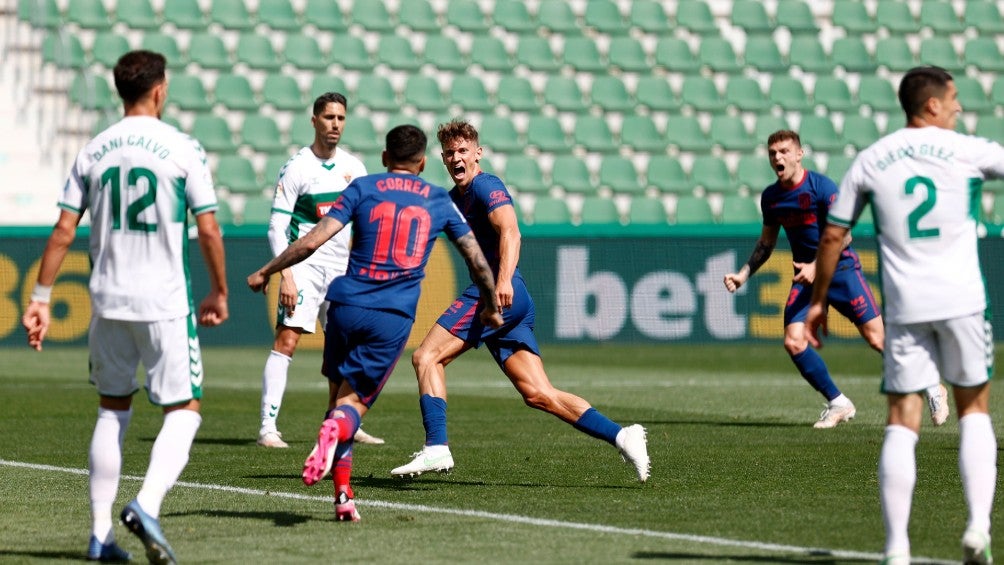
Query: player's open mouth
x,y
458,170
779,167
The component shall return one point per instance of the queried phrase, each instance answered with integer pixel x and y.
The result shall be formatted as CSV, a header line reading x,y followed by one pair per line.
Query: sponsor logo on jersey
x,y
497,197
323,208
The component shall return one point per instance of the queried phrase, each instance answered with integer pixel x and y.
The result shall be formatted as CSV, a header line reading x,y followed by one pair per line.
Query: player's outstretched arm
x,y
763,250
296,252
213,310
481,274
36,316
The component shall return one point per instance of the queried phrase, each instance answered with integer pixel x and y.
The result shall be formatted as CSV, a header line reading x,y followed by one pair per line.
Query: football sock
x,y
597,425
105,459
273,386
434,419
978,467
897,476
348,421
168,458
342,473
813,370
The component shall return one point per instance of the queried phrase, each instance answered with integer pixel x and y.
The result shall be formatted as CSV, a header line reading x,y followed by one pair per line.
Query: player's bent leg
x,y
526,372
873,332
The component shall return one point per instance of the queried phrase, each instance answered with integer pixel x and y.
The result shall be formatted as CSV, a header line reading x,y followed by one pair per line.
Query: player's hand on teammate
x,y
288,293
36,323
805,273
213,310
815,320
735,280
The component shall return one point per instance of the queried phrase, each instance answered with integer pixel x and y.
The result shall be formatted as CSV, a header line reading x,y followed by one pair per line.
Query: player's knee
x,y
538,399
421,358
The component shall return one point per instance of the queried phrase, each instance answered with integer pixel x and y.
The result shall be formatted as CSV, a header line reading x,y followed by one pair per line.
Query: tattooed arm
x,y
764,247
481,273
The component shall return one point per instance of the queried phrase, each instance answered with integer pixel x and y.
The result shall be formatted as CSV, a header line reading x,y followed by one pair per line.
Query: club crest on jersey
x,y
347,177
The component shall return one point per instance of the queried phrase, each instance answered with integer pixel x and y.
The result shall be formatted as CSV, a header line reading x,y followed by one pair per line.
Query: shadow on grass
x,y
49,555
278,519
816,559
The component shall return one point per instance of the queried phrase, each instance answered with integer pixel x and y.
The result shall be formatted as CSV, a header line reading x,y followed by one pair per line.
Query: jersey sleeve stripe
x,y
278,211
68,207
838,221
208,208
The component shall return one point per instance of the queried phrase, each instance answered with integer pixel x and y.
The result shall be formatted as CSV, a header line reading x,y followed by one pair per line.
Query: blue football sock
x,y
597,425
813,370
434,419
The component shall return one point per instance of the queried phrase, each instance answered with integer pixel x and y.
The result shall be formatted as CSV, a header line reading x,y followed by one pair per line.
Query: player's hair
x,y
330,98
919,85
405,144
457,129
784,135
137,72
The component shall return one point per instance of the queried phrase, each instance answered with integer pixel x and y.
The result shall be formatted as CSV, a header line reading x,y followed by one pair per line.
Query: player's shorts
x,y
168,349
849,293
917,356
312,283
361,346
516,333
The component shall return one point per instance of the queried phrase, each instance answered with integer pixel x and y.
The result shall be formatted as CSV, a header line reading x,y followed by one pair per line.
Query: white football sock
x,y
840,401
105,458
897,476
978,467
273,386
168,458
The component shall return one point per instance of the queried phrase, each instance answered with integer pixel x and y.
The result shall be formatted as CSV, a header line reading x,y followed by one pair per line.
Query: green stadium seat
x,y
466,15
304,53
808,163
983,16
257,211
717,54
556,16
443,53
282,92
396,52
231,15
655,93
490,54
605,17
104,121
301,131
853,17
138,14
851,53
738,209
262,134
990,127
627,54
325,15
468,92
763,55
418,15
997,91
610,94
514,17
860,131
983,54
837,166
878,94
405,118
516,93
641,134
436,173
767,124
620,176
754,172
322,83
279,15
712,173
564,94
693,210
696,16
424,94
535,53
675,55
373,15
349,52
185,14
582,55
789,93
940,18
972,96
833,94
213,133
895,17
731,134
701,94
546,133
108,47
361,136
818,133
807,53
751,16
797,17
649,16
593,134
550,211
686,134
208,51
666,174
274,162
744,93
91,91
64,51
523,174
235,92
571,174
41,14
647,211
376,93
187,92
997,212
167,46
256,51
236,174
597,210
224,213
88,14
939,51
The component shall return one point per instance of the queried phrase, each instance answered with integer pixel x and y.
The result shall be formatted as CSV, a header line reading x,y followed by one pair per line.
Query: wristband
x,y
41,293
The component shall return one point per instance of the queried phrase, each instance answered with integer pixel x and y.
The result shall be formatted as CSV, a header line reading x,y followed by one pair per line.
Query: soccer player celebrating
x,y
487,205
396,217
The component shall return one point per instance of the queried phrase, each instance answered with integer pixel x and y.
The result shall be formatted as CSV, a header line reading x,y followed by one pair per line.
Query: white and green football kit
x,y
306,188
138,179
924,185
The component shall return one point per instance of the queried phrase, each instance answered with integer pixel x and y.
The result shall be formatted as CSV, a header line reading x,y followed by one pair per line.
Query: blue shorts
x,y
849,293
461,319
362,346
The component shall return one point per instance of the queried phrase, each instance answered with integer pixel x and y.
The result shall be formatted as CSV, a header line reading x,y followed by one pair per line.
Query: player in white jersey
x,y
307,186
139,179
923,183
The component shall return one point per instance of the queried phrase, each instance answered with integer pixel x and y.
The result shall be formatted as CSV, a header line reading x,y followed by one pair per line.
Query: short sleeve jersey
x,y
924,185
801,211
138,179
396,219
306,188
485,193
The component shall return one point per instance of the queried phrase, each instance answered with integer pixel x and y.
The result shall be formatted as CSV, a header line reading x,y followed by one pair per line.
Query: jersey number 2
x,y
402,235
913,220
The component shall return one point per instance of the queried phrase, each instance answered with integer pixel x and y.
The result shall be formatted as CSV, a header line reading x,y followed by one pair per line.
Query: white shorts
x,y
312,283
918,356
168,349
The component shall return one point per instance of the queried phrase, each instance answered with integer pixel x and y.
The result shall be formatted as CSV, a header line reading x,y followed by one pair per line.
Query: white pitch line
x,y
512,518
